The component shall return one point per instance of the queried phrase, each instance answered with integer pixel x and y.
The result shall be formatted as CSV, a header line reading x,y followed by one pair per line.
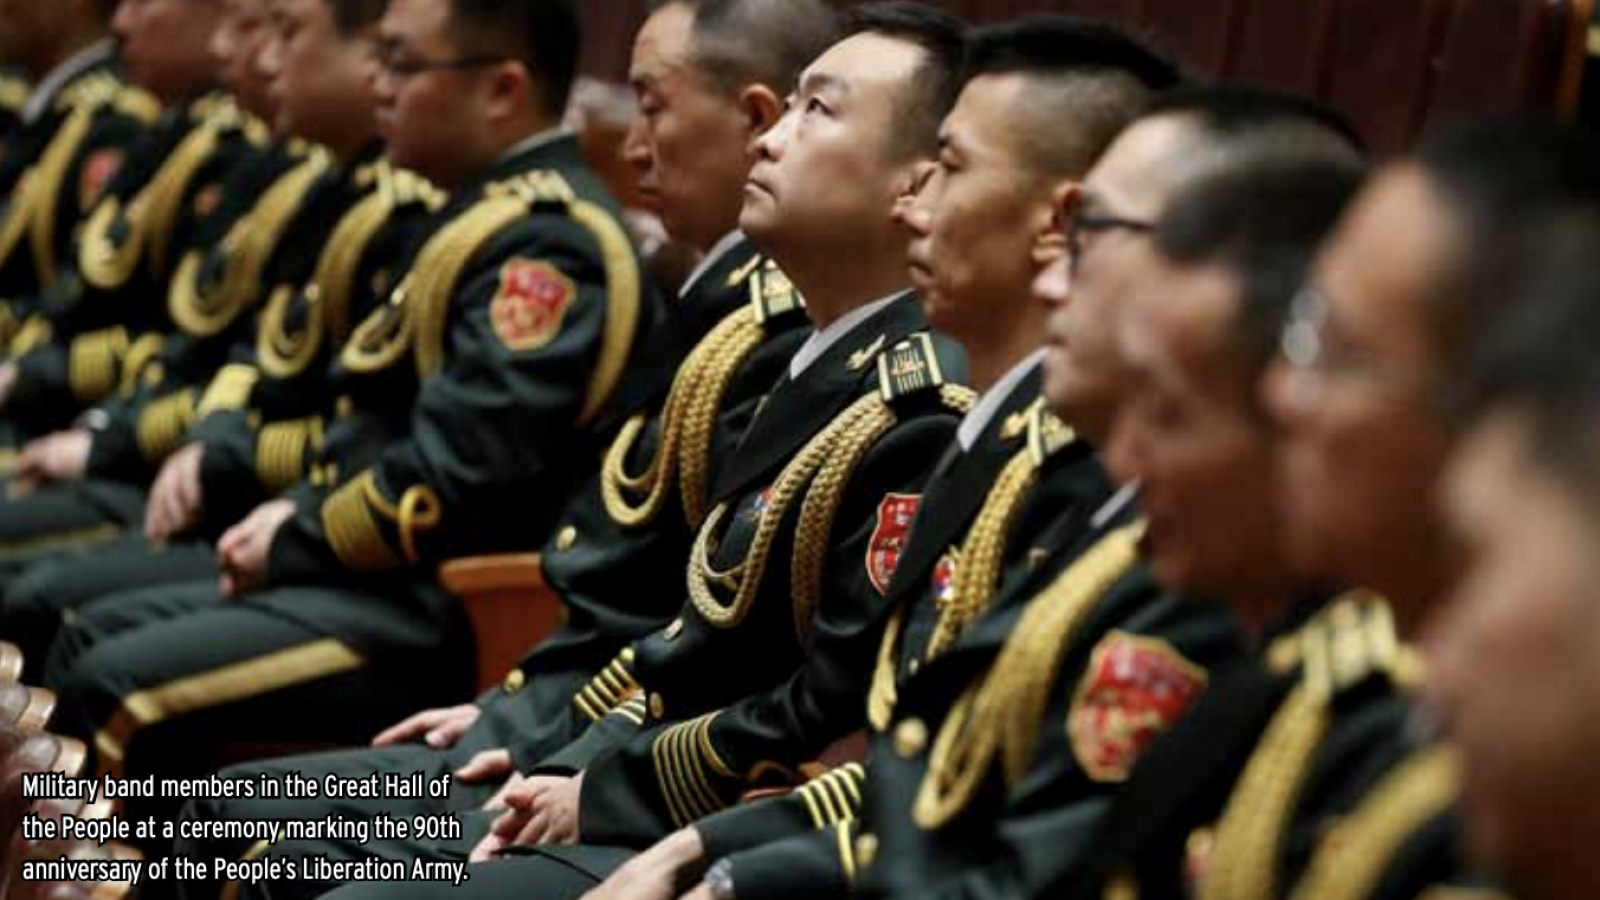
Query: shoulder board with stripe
x,y
541,186
772,294
908,368
1047,435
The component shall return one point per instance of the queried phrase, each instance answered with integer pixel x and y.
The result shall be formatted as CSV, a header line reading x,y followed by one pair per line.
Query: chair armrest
x,y
509,604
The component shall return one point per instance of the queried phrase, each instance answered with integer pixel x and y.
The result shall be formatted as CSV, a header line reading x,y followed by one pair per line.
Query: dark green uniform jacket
x,y
767,663
1299,775
102,316
1001,727
56,169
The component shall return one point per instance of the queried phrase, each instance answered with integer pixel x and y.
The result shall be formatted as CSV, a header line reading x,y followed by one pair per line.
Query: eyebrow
x,y
820,82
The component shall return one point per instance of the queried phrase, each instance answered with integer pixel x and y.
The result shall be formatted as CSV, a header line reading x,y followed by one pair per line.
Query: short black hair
x,y
924,102
1541,361
744,42
544,35
1239,125
1264,225
351,16
1498,178
1091,80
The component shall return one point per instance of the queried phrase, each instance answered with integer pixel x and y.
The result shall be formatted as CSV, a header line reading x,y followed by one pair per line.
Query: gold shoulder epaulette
x,y
772,294
535,188
1348,643
1047,435
908,368
102,89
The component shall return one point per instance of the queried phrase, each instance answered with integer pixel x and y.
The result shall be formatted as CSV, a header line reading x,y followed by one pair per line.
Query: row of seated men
x,y
1047,439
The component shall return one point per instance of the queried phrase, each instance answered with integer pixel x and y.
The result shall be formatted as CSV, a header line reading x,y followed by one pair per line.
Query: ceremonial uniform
x,y
211,302
14,90
1298,775
261,418
623,542
834,461
101,317
75,132
470,395
1024,671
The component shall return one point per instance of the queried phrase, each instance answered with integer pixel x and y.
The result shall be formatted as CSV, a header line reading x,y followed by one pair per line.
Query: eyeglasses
x,y
1087,223
395,61
1318,354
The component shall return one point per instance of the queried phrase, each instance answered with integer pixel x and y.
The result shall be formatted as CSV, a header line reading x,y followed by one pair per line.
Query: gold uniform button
x,y
515,681
566,538
866,850
344,407
658,707
911,738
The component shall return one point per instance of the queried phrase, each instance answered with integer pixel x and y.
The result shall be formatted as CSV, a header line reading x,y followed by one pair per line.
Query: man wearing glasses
x,y
465,413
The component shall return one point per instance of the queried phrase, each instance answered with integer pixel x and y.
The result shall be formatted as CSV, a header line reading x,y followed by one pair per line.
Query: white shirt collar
x,y
989,404
722,248
547,136
821,341
45,94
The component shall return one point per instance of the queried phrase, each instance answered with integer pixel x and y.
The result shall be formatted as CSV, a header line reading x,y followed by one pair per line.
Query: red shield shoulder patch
x,y
532,300
1134,689
895,515
98,170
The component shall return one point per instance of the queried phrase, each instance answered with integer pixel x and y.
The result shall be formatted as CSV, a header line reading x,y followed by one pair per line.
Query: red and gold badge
x,y
895,515
1134,689
98,170
532,300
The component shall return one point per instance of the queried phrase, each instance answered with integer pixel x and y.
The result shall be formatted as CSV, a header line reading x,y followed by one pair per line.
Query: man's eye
x,y
816,106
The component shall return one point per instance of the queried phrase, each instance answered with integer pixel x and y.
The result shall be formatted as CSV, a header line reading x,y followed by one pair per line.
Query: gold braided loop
x,y
33,208
1244,862
1001,716
150,217
885,690
983,553
205,311
745,579
1350,861
697,390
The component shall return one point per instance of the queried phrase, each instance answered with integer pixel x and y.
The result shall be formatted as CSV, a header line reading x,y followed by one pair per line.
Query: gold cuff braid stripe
x,y
684,760
282,451
163,424
94,364
611,687
834,796
350,521
1001,717
230,389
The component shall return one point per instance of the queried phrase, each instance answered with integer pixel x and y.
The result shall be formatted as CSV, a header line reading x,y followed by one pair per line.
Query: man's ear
x,y
510,91
762,108
1050,239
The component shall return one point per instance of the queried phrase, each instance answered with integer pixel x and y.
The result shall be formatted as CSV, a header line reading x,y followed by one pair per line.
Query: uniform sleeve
x,y
818,863
823,802
677,774
610,733
485,463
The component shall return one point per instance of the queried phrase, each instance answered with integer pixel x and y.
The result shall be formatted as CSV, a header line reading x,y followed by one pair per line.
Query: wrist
x,y
687,858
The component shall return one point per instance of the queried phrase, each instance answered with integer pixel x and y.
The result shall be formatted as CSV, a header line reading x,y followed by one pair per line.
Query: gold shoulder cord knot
x,y
688,423
1353,638
1000,717
204,309
443,260
108,258
1349,862
817,477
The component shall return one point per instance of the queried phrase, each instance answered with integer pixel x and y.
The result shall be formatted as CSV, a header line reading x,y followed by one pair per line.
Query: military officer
x,y
1043,99
76,339
822,487
363,207
1319,722
702,73
1520,492
472,389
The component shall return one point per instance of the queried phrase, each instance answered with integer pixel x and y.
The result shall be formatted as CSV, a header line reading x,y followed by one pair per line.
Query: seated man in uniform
x,y
469,399
1319,730
1512,656
711,75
